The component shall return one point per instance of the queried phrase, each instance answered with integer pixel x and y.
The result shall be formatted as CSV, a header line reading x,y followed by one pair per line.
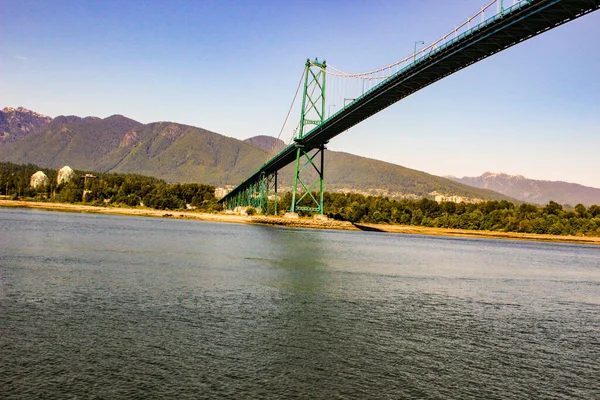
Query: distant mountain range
x,y
181,153
16,123
534,191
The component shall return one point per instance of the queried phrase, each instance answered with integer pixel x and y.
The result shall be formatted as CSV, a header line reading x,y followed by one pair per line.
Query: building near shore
x,y
38,179
454,198
64,175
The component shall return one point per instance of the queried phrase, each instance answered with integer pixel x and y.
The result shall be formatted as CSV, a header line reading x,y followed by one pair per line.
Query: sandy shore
x,y
298,223
144,212
420,230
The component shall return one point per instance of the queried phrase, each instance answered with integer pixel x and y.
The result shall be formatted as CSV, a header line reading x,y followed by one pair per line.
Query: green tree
x,y
553,208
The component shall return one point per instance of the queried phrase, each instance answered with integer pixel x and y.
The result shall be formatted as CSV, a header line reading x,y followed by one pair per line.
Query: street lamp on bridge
x,y
329,112
415,50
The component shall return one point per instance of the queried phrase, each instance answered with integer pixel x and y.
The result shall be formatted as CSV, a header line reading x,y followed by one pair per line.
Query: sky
x,y
232,67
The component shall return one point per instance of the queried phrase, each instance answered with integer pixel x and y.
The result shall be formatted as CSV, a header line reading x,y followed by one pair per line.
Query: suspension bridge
x,y
496,27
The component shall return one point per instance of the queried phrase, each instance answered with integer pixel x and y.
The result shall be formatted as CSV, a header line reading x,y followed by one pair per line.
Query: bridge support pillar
x,y
256,195
315,200
275,188
313,113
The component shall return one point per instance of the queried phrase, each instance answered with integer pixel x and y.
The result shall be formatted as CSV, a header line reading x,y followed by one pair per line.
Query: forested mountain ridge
x,y
182,153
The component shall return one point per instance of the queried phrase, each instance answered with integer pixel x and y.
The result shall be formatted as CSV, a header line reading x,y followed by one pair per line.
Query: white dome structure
x,y
38,179
65,174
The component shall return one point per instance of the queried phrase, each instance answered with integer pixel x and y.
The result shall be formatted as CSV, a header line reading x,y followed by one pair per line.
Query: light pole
x,y
415,51
329,112
85,178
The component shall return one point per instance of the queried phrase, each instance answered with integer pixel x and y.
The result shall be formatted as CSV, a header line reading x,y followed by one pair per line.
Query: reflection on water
x,y
120,307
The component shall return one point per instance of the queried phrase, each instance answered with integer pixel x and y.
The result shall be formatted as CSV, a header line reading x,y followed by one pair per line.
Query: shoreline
x,y
300,223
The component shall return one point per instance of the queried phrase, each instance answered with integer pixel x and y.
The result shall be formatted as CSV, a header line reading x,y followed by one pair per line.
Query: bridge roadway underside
x,y
514,27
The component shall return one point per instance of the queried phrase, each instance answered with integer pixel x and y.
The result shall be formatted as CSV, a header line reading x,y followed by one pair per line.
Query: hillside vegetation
x,y
179,153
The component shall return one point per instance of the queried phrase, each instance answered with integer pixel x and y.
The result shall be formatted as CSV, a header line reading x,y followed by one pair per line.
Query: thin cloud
x,y
21,58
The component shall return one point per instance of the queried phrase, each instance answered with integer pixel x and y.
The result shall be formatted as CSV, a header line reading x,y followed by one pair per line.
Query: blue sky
x,y
232,67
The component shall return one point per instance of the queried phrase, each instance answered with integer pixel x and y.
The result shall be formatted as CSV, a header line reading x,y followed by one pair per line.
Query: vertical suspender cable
x,y
288,113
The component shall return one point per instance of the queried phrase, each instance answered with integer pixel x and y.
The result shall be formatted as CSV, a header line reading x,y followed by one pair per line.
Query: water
x,y
97,306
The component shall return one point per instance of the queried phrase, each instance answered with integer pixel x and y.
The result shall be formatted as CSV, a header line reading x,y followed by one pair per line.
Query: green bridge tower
x,y
313,113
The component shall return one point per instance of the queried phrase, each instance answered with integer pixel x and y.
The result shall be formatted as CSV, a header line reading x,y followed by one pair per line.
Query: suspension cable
x,y
331,70
288,113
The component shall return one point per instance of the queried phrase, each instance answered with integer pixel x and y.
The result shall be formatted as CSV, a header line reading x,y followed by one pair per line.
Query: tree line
x,y
103,189
493,215
137,190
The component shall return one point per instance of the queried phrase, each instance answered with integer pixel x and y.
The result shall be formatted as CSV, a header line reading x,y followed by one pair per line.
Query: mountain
x,y
534,191
16,123
181,153
267,143
82,143
348,172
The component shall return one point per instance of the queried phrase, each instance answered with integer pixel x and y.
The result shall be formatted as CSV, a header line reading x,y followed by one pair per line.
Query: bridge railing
x,y
460,32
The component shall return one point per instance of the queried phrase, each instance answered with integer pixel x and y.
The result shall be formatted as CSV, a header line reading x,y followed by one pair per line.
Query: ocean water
x,y
108,307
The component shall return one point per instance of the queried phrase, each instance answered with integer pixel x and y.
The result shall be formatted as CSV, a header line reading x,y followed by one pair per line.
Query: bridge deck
x,y
490,37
